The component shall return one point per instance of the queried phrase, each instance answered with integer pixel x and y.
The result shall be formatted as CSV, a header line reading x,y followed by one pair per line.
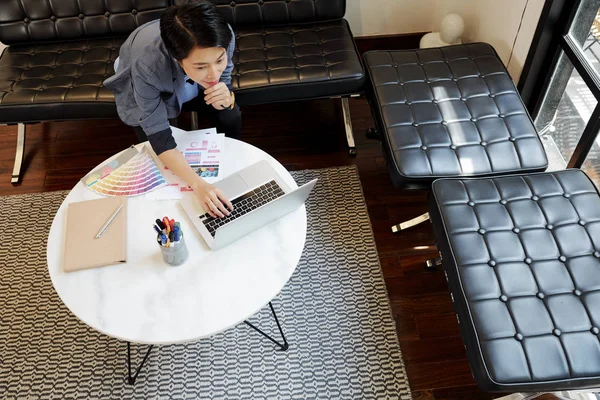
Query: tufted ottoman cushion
x,y
450,111
522,258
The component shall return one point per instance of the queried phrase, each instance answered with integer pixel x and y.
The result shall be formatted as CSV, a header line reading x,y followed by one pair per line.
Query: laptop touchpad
x,y
232,186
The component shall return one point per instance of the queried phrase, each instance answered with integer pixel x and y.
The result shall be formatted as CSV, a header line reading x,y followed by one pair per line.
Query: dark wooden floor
x,y
300,135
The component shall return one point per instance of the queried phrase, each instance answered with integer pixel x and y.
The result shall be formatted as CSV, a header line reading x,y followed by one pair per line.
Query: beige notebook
x,y
84,221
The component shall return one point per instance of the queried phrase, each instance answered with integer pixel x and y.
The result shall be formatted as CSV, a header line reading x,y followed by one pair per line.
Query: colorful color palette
x,y
138,175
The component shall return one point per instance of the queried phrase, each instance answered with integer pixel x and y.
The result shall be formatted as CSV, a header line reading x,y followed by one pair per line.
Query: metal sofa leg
x,y
410,223
348,127
372,133
194,115
520,396
16,174
433,263
567,395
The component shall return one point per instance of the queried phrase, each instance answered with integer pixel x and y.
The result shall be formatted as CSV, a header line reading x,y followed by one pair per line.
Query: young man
x,y
185,57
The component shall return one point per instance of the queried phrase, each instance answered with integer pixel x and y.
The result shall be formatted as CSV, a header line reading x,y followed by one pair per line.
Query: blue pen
x,y
163,239
157,229
177,233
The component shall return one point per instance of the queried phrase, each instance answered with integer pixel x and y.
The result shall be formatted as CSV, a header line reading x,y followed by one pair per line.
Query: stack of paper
x,y
203,150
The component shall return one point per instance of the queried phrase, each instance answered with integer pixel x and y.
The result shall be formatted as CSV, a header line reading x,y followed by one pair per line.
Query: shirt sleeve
x,y
153,116
226,75
162,141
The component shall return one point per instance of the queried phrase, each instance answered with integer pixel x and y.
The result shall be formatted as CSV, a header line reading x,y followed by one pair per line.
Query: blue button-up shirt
x,y
149,84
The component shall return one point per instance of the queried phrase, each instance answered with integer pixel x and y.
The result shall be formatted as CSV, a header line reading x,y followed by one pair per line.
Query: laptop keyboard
x,y
244,204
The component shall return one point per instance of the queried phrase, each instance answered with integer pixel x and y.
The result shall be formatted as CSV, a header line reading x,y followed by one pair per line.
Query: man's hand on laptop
x,y
213,200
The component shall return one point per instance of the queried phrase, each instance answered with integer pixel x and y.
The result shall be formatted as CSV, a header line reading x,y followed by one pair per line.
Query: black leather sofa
x,y
293,50
60,52
290,50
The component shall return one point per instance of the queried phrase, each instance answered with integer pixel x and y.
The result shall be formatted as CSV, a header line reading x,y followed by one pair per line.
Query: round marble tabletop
x,y
147,301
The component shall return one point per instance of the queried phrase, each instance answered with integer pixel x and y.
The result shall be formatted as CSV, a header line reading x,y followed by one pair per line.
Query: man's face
x,y
205,65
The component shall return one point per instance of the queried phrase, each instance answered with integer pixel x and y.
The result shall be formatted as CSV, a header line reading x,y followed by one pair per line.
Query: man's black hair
x,y
193,23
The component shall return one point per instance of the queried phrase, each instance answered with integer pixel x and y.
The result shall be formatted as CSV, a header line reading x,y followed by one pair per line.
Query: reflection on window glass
x,y
585,31
565,111
591,166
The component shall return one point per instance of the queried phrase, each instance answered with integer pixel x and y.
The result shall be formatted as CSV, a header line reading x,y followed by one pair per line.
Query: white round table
x,y
148,301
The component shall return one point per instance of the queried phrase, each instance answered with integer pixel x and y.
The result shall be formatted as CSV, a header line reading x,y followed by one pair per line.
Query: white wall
x,y
387,17
497,23
523,43
492,21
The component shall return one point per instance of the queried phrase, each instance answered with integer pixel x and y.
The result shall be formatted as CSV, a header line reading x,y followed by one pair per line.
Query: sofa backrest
x,y
40,20
45,20
278,12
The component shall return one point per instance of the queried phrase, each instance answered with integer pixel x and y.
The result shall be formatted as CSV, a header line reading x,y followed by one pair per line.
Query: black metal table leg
x,y
282,347
130,379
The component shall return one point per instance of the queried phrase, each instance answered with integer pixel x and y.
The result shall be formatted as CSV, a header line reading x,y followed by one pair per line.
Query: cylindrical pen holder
x,y
176,253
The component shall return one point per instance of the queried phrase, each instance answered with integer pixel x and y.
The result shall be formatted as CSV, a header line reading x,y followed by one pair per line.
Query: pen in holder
x,y
176,253
171,241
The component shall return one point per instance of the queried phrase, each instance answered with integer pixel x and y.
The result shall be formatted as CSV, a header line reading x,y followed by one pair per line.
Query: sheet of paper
x,y
169,192
203,149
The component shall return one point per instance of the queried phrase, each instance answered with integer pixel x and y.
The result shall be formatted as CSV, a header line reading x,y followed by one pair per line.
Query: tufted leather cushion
x,y
278,12
295,62
37,20
522,256
450,111
53,81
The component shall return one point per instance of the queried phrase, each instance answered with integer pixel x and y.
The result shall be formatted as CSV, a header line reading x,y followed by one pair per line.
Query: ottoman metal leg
x,y
410,223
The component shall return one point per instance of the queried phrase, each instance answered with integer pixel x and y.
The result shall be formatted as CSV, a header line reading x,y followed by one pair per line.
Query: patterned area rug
x,y
334,311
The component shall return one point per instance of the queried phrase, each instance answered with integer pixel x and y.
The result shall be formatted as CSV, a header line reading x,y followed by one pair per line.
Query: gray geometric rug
x,y
334,311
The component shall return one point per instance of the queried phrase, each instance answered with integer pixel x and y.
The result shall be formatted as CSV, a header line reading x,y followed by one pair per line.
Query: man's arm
x,y
213,199
147,93
154,121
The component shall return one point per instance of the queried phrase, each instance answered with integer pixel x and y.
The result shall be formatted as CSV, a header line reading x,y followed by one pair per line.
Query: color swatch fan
x,y
130,174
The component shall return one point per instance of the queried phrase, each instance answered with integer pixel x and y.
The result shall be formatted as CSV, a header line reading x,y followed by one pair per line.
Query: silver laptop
x,y
259,196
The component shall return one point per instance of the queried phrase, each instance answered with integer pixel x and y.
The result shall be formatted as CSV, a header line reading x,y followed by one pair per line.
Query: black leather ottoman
x,y
522,258
449,111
